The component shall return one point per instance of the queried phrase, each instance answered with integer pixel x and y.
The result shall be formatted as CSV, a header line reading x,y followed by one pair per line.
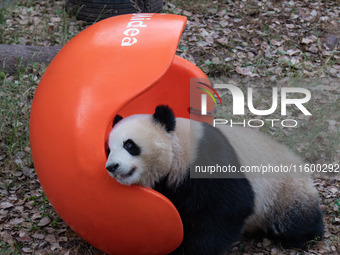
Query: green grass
x,y
215,70
337,203
17,89
3,16
4,247
15,249
53,25
16,94
5,12
48,25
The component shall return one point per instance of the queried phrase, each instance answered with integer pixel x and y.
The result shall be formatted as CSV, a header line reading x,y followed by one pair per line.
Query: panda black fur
x,y
157,150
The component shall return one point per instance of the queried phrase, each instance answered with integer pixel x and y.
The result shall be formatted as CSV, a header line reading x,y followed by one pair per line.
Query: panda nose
x,y
112,168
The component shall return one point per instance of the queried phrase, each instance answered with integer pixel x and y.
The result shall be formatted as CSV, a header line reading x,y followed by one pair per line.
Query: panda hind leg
x,y
298,230
212,235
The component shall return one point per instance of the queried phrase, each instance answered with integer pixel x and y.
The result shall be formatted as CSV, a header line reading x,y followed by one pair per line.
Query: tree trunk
x,y
13,55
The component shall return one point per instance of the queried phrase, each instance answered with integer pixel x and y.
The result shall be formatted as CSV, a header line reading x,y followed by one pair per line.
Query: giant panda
x,y
159,150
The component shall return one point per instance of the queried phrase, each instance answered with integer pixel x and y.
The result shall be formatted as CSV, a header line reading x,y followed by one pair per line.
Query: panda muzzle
x,y
112,168
117,174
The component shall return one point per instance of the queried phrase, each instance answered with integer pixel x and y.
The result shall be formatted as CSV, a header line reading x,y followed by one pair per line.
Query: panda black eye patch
x,y
131,147
107,148
108,151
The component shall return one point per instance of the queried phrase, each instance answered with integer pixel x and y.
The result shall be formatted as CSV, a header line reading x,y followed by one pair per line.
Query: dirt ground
x,y
233,41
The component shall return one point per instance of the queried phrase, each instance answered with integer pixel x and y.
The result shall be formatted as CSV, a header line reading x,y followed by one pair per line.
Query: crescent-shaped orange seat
x,y
126,65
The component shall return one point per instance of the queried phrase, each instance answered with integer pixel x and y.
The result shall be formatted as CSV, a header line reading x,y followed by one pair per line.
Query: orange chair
x,y
126,65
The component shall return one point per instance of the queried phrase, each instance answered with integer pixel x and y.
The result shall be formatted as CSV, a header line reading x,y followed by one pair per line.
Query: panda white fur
x,y
157,151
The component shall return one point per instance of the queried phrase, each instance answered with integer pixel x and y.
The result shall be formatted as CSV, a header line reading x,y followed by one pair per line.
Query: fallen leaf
x,y
5,205
242,71
293,52
331,41
216,60
309,74
278,71
276,43
7,237
313,13
55,246
313,48
332,122
224,41
36,216
24,239
250,55
44,222
309,40
42,252
202,43
241,54
256,41
27,250
186,13
245,71
294,61
333,189
51,238
16,221
38,236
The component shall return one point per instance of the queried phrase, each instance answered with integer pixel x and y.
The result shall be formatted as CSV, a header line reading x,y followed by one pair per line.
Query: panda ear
x,y
165,116
116,120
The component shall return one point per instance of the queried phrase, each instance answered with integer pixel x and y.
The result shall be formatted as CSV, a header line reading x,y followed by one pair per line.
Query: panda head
x,y
139,147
